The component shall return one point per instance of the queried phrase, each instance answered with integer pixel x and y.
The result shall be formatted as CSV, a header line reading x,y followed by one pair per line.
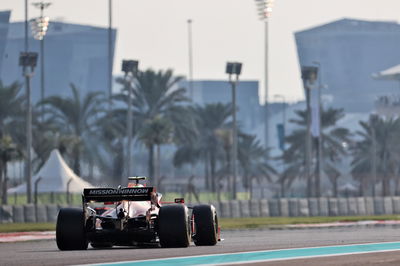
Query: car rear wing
x,y
117,194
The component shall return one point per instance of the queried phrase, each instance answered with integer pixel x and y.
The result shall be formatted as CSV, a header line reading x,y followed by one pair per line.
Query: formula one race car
x,y
136,216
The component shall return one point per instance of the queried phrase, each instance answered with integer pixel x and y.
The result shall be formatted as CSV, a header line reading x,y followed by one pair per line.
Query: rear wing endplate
x,y
117,194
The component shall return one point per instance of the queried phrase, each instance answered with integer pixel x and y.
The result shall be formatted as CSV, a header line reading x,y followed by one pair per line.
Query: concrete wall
x,y
313,207
240,208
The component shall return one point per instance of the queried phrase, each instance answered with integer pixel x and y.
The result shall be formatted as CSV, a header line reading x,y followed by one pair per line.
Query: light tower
x,y
28,62
130,69
39,28
234,69
264,10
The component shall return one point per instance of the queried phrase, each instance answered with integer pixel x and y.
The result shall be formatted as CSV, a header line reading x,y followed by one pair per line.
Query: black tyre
x,y
173,226
101,245
70,230
205,225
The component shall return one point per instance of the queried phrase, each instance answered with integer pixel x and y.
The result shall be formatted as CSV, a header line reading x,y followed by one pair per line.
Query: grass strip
x,y
26,227
265,222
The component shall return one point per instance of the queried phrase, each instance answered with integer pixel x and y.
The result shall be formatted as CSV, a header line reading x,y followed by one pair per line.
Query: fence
x,y
292,207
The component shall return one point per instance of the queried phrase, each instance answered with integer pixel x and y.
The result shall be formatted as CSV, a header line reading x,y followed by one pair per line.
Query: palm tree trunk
x,y
91,169
5,179
230,173
317,173
373,187
385,180
386,186
251,188
158,164
397,184
151,163
282,188
335,186
1,181
77,158
118,164
218,190
309,187
212,166
207,173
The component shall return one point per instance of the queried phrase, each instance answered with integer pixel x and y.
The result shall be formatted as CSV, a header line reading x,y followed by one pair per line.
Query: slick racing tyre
x,y
173,226
101,245
70,232
205,225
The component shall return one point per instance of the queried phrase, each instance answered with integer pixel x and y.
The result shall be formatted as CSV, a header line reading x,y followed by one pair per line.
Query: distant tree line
x,y
90,134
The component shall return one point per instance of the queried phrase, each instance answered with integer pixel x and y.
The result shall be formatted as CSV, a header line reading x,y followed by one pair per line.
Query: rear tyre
x,y
101,245
70,230
205,225
173,226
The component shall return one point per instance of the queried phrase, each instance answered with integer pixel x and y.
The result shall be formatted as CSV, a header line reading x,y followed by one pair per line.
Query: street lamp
x,y
39,28
190,45
28,62
318,109
281,135
309,76
109,53
234,68
129,67
278,96
264,9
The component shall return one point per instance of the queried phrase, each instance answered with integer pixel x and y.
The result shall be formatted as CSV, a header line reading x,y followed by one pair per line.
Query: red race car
x,y
136,216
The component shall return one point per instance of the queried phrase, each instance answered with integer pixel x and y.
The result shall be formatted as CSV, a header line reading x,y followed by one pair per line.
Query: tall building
x,y
349,52
74,53
4,24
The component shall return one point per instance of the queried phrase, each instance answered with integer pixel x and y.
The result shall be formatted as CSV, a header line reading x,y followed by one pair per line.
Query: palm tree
x,y
332,148
155,132
111,133
76,117
207,146
8,152
376,154
11,103
252,158
158,110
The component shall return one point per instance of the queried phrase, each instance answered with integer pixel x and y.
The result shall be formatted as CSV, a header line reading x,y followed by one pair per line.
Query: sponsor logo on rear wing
x,y
114,194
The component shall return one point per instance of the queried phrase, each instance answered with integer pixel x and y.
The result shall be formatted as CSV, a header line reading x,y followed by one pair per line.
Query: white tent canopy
x,y
392,73
55,174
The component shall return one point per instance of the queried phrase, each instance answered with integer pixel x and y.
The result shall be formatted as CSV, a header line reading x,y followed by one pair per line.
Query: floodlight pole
x,y
26,29
234,132
264,9
234,69
28,162
36,189
282,182
28,167
129,124
42,5
26,60
190,45
129,67
320,162
266,80
109,53
308,143
308,79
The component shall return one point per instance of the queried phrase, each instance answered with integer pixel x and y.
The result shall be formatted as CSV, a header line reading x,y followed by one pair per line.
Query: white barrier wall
x,y
240,208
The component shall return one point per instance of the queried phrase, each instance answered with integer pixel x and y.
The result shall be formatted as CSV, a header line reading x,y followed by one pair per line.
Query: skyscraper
x,y
349,51
73,54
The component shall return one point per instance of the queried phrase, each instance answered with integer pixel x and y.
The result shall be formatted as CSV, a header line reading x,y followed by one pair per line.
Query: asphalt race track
x,y
45,252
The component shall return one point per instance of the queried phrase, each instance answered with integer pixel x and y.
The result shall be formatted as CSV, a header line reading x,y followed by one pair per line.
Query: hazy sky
x,y
155,32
